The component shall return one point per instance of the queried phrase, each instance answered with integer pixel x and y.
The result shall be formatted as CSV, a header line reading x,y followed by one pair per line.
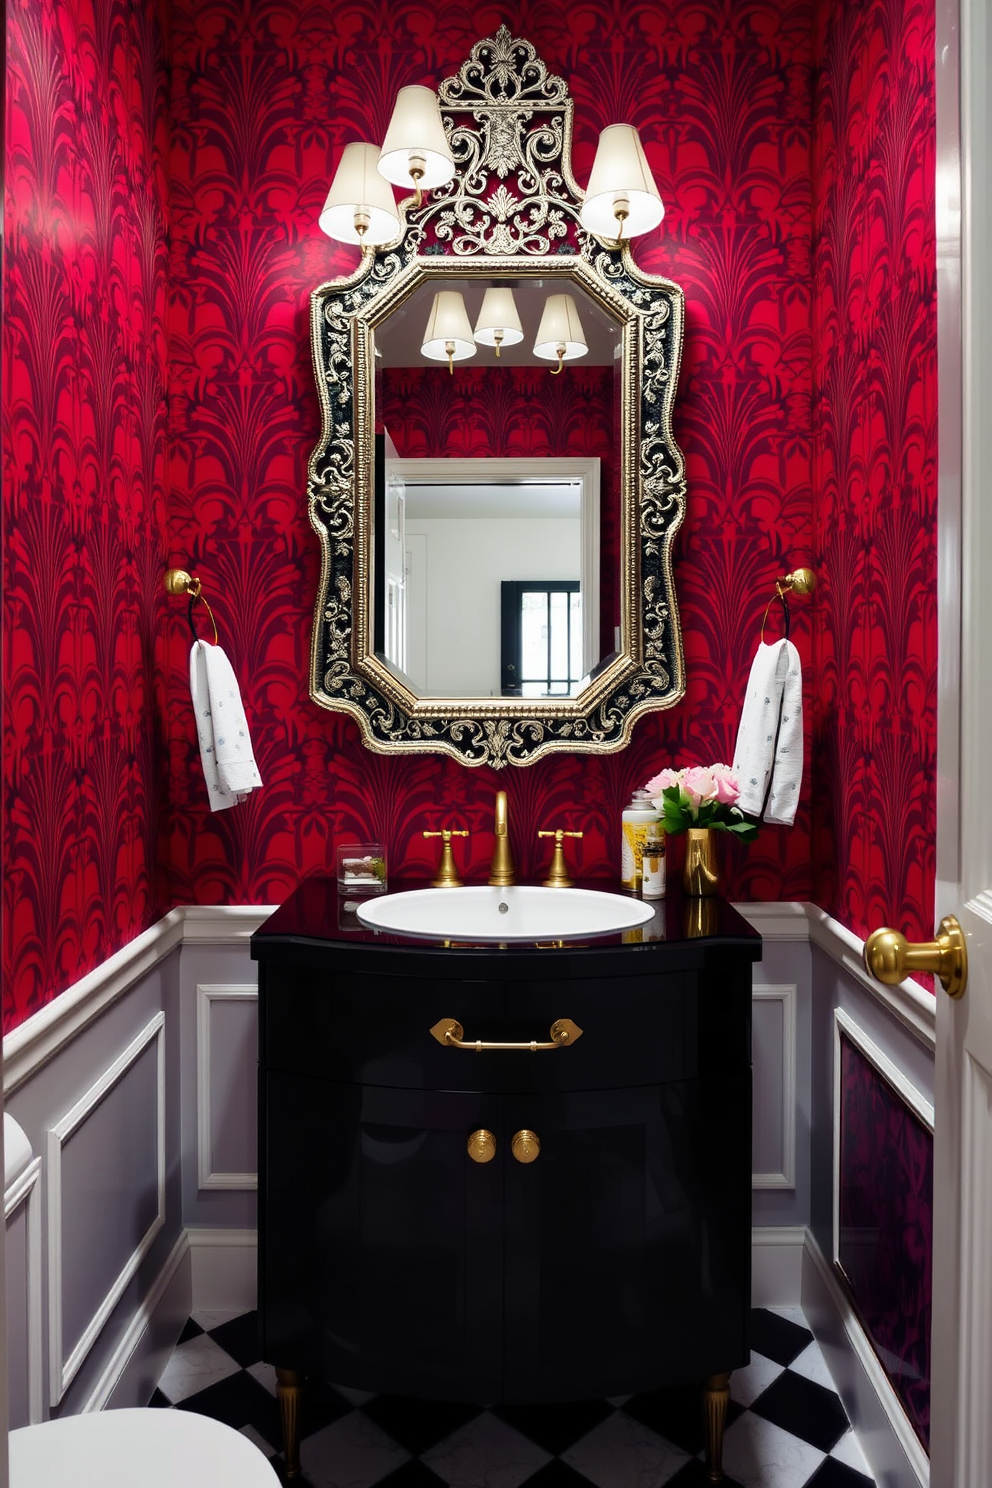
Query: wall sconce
x,y
622,199
449,330
360,206
498,323
415,151
560,333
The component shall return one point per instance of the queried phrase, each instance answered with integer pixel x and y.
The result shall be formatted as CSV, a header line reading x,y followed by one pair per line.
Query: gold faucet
x,y
501,867
558,873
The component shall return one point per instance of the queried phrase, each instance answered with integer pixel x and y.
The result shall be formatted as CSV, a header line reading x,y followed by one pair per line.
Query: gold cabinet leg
x,y
716,1394
289,1386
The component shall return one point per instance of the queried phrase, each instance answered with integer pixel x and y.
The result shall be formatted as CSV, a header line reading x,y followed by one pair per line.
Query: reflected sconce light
x,y
415,151
560,333
449,330
498,323
360,206
622,200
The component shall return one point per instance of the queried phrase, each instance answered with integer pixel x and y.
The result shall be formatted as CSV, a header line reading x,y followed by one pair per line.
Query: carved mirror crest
x,y
422,631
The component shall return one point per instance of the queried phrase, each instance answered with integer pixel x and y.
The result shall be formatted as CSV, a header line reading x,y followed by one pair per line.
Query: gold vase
x,y
700,875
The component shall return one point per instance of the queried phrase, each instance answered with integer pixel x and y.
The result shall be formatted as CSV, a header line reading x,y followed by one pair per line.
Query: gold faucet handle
x,y
447,873
558,872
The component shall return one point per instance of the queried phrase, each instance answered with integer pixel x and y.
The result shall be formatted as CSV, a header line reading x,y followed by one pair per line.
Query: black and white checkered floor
x,y
786,1426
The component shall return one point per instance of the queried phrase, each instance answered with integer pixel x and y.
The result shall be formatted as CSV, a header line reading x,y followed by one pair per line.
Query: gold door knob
x,y
890,957
525,1146
481,1146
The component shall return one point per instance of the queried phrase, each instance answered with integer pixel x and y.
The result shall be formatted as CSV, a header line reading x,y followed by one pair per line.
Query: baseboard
x,y
134,1368
894,1451
224,1265
224,1269
777,1266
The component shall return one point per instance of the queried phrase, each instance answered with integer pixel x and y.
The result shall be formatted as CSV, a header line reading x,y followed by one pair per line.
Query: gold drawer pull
x,y
525,1146
450,1032
481,1146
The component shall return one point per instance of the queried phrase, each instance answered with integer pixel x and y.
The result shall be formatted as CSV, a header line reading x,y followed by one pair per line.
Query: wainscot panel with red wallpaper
x,y
885,1213
263,100
875,464
84,487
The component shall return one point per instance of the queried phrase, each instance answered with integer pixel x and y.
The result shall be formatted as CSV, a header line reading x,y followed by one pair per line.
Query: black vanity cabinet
x,y
616,1260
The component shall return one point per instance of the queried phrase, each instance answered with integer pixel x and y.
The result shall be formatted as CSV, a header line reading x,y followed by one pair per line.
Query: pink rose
x,y
663,781
699,785
727,788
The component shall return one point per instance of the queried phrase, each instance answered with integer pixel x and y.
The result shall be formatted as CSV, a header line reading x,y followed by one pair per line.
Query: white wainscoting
x,y
65,1357
60,1065
228,1062
774,1085
22,1207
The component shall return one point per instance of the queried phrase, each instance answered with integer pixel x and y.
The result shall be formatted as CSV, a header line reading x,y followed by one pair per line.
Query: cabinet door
x,y
382,1258
627,1245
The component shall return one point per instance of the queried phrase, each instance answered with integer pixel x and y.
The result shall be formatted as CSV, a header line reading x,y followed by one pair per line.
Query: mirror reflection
x,y
495,529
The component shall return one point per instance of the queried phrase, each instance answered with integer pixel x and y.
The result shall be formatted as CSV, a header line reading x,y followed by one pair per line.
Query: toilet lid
x,y
122,1448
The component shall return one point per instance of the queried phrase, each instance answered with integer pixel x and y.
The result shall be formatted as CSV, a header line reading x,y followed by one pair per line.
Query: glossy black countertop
x,y
317,919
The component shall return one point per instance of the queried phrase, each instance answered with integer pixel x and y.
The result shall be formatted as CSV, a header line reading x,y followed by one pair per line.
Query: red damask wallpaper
x,y
84,488
800,372
874,763
263,99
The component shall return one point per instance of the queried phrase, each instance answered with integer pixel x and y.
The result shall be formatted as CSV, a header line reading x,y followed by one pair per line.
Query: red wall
x,y
261,108
874,765
84,487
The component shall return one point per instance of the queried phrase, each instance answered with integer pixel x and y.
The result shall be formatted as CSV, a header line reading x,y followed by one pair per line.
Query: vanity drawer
x,y
376,1029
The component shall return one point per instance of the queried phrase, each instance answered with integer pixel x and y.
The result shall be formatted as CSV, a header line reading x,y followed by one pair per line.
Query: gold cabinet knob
x,y
525,1146
481,1146
890,957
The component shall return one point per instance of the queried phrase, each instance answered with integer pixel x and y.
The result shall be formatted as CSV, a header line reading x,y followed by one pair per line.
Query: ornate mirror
x,y
496,488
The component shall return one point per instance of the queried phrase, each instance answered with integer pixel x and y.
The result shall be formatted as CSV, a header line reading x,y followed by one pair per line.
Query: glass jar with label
x,y
653,865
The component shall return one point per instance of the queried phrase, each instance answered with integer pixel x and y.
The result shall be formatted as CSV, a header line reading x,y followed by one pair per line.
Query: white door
x,y
961,1444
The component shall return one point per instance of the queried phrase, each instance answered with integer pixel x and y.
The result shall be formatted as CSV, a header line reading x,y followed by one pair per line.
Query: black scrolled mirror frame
x,y
512,210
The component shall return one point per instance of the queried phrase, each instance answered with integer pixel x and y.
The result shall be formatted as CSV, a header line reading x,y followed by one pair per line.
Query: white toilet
x,y
126,1448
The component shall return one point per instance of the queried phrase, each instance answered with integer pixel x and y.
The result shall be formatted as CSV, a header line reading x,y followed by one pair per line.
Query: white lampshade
x,y
449,331
498,323
360,206
621,183
416,141
560,336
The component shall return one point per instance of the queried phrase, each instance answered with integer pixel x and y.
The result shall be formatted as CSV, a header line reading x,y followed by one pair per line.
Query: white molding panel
x,y
64,1367
884,1430
35,1041
786,1177
904,1088
25,1191
207,1175
777,1265
909,1002
115,1366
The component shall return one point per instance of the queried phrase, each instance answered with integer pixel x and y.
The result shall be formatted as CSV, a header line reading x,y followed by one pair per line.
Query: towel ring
x,y
178,581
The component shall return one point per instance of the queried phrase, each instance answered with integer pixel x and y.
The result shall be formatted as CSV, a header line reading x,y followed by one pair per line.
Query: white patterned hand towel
x,y
225,745
768,759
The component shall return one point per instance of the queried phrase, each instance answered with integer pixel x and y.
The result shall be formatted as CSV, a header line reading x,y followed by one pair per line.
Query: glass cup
x,y
361,867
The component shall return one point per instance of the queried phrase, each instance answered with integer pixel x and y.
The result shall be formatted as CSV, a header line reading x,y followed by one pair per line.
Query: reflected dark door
x,y
383,1264
608,1266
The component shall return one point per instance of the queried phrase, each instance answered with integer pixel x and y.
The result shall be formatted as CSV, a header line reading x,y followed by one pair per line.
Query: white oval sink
x,y
516,913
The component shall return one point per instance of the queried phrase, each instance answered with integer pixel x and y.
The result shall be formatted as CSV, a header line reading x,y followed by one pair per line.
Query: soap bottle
x,y
653,864
637,819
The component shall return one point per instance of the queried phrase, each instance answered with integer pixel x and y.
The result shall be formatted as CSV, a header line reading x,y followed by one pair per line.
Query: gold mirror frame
x,y
511,210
